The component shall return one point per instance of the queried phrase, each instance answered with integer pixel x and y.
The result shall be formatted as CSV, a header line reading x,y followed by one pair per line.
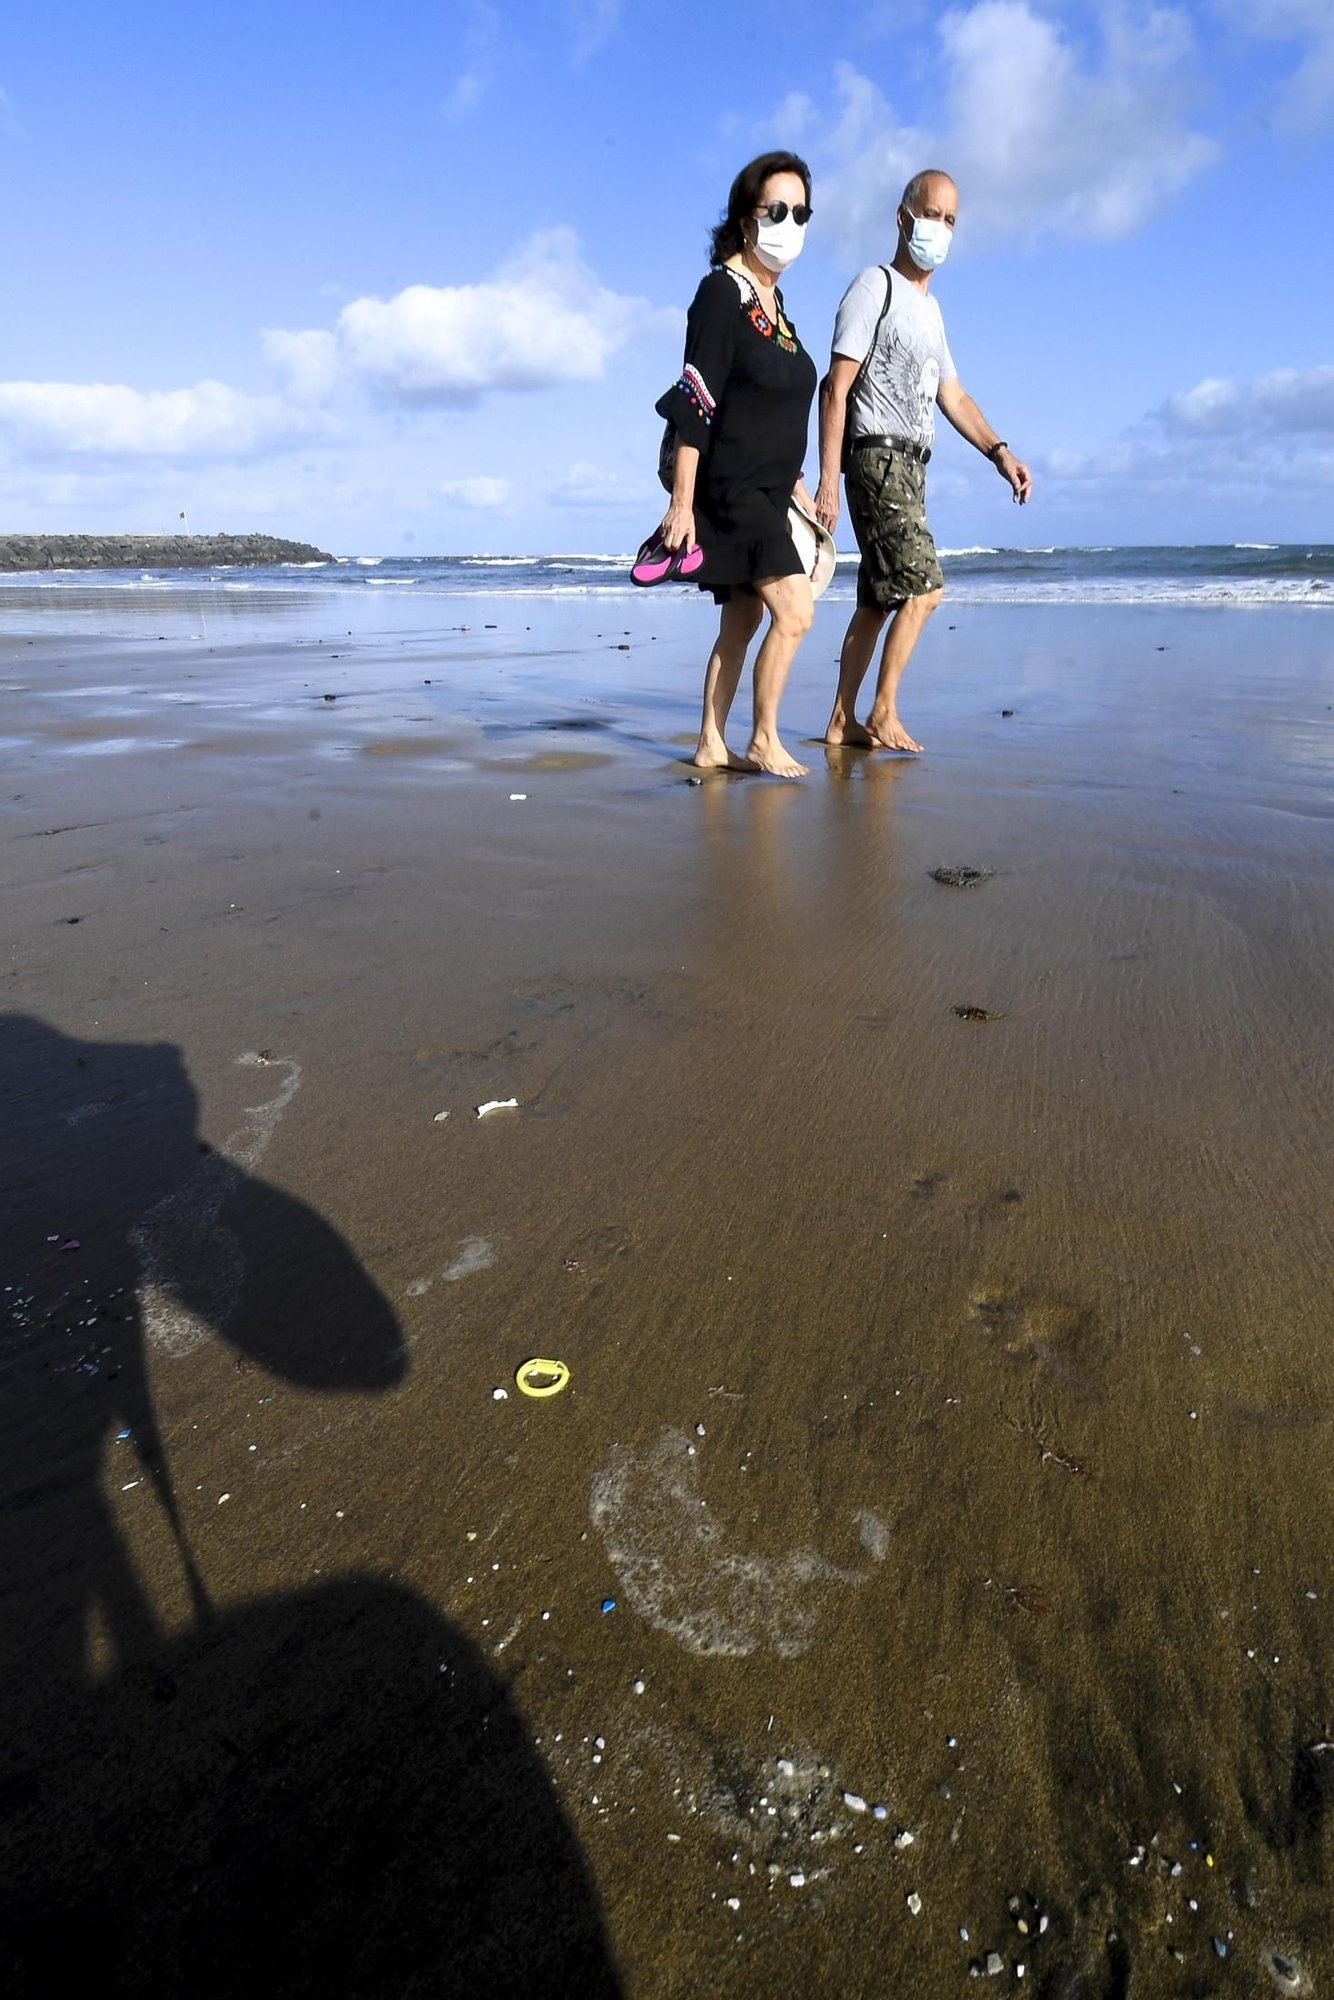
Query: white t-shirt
x,y
896,395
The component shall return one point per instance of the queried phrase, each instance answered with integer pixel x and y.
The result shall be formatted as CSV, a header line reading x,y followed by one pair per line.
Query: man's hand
x,y
826,505
1015,474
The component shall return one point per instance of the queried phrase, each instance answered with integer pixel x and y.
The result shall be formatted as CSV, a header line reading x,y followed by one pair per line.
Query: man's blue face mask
x,y
929,244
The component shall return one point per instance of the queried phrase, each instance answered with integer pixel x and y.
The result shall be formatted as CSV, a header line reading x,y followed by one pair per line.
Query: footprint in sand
x,y
181,1237
676,1566
474,1254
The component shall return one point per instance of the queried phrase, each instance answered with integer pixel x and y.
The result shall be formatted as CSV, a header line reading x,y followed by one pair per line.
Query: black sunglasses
x,y
777,211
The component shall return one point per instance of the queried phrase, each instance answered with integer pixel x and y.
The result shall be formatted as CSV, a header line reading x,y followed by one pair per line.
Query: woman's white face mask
x,y
778,244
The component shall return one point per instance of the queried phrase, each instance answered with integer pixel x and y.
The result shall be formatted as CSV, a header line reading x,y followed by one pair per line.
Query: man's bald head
x,y
931,194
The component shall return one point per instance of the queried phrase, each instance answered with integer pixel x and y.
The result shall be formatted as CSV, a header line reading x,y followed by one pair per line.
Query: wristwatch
x,y
1001,444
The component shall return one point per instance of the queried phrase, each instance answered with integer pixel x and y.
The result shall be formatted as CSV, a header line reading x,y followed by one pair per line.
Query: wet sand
x,y
950,1417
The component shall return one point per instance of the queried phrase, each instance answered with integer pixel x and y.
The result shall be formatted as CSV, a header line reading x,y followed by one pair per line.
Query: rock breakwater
x,y
26,552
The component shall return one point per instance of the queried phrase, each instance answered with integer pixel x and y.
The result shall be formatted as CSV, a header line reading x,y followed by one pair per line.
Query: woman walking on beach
x,y
740,413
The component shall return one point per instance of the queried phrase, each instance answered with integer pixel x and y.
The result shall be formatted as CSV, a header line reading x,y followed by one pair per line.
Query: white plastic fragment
x,y
904,1839
517,797
914,1903
497,1104
500,1395
440,1118
853,1803
797,1879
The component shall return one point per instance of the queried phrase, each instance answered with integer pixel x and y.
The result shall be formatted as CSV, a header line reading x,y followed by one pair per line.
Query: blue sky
x,y
409,280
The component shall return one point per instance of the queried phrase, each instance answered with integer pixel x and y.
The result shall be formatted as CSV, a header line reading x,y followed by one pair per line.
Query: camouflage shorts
x,y
887,502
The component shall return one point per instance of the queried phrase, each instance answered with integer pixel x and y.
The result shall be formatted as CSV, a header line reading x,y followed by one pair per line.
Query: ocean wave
x,y
1153,590
368,562
984,552
1255,545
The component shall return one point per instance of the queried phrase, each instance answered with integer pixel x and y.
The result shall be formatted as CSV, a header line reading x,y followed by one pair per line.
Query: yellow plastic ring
x,y
557,1370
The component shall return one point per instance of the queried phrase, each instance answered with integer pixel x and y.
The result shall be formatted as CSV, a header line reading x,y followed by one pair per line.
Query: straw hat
x,y
815,546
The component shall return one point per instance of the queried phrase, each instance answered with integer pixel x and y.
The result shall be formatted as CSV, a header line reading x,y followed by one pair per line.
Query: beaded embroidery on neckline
x,y
782,334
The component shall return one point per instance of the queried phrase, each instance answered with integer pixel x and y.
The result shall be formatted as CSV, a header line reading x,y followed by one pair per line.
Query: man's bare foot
x,y
888,733
848,734
713,754
766,753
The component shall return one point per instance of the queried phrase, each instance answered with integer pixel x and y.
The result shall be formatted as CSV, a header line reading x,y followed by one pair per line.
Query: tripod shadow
x,y
324,1791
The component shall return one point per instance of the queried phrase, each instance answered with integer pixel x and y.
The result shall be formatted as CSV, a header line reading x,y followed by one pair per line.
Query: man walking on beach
x,y
889,367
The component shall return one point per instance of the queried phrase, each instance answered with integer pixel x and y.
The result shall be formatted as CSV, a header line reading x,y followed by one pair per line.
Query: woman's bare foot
x,y
712,754
888,733
766,753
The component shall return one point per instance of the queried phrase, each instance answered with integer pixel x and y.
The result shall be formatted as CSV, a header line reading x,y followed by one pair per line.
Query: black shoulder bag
x,y
865,364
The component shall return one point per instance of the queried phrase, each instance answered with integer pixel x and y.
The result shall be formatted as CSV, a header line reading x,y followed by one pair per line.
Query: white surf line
x,y
182,1239
677,1570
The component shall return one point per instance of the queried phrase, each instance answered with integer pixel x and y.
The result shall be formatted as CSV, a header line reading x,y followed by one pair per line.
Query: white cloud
x,y
1244,444
1307,97
479,492
589,485
463,94
306,363
593,23
108,419
1295,401
793,117
1041,137
542,318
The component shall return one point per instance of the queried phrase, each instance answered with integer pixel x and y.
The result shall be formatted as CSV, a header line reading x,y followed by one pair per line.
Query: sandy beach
x,y
928,1562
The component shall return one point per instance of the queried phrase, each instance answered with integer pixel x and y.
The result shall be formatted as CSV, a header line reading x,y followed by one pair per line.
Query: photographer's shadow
x,y
325,1791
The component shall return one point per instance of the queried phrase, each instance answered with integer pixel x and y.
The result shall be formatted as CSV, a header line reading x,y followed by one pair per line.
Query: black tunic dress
x,y
744,401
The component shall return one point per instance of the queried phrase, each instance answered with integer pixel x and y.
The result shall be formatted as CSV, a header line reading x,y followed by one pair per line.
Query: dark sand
x,y
952,1400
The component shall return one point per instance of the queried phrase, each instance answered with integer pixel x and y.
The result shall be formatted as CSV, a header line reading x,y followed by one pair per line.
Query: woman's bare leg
x,y
736,628
788,601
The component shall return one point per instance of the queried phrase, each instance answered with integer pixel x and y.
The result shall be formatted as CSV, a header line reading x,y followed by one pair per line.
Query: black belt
x,y
908,446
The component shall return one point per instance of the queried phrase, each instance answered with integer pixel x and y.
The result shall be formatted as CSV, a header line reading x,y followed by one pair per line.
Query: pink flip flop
x,y
655,563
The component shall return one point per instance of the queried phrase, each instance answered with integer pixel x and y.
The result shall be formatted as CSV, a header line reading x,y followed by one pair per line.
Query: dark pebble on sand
x,y
331,697
966,1012
1007,711
962,877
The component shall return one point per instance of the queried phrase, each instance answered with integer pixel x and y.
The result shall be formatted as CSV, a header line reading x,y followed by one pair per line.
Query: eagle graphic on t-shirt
x,y
909,382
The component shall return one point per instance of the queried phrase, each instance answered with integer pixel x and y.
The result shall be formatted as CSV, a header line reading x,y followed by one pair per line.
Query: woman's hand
x,y
678,526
